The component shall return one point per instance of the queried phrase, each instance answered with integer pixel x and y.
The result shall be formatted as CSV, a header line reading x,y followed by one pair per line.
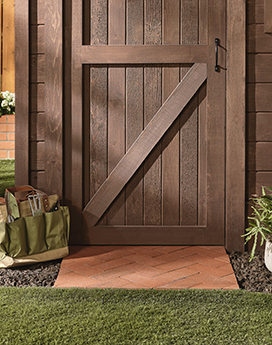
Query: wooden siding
x,y
37,94
259,101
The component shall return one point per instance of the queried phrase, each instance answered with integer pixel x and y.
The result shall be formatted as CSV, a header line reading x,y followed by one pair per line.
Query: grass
x,y
116,316
7,174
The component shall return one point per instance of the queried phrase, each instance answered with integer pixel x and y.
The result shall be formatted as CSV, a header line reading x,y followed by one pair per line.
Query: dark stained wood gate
x,y
148,122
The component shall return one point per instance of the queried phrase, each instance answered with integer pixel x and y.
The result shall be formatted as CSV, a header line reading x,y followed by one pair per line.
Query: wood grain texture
x,y
134,112
76,93
259,68
98,171
157,235
152,166
152,102
170,142
263,127
53,98
202,123
99,21
116,136
37,39
235,125
257,40
255,11
263,179
22,92
263,156
216,126
189,132
8,46
37,179
267,16
67,103
116,106
135,25
147,54
203,22
134,127
251,156
37,127
258,97
40,11
37,151
145,143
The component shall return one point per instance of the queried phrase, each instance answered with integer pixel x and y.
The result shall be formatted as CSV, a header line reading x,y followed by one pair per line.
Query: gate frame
x,y
235,111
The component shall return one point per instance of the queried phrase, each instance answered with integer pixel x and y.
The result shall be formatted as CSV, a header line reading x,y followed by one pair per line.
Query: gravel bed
x,y
251,276
41,274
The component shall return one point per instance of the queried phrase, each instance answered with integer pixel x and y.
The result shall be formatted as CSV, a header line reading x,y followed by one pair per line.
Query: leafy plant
x,y
261,220
7,103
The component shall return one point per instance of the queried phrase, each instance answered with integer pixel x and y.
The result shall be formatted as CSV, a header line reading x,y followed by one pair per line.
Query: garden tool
x,y
12,207
35,204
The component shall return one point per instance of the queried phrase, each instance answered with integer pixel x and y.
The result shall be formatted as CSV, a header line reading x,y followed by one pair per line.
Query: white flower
x,y
12,103
5,94
8,109
4,103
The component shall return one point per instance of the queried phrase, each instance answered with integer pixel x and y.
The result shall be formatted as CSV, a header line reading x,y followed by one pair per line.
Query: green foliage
x,y
39,316
7,174
7,103
261,220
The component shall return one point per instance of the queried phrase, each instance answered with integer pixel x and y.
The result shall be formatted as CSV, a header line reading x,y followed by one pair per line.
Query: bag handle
x,y
28,188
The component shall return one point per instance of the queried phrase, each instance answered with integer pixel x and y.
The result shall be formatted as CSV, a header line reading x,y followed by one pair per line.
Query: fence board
x,y
8,63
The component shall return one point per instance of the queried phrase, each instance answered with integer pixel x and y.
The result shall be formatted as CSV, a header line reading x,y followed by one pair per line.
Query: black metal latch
x,y
217,68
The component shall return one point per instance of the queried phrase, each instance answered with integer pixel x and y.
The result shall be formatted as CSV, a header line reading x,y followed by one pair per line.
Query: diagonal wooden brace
x,y
145,143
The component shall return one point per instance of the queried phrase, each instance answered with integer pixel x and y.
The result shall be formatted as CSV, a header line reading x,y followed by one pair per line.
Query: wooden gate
x,y
148,122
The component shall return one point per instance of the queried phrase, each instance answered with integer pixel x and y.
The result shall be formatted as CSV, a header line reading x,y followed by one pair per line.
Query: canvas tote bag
x,y
29,238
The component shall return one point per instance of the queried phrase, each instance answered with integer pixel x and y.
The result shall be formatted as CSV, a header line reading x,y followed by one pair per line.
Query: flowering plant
x,y
7,103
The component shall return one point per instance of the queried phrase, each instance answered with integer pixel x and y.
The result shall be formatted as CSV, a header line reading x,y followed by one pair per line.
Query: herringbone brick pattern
x,y
136,267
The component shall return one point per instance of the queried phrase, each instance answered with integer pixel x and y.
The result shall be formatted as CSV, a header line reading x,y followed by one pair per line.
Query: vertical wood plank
x,y
202,124
170,142
235,126
134,112
152,102
116,105
76,122
98,128
98,102
189,132
99,22
202,156
135,27
267,16
8,63
203,22
216,126
22,92
67,96
53,97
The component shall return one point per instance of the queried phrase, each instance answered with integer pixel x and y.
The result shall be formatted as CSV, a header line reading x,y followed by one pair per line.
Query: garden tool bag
x,y
33,227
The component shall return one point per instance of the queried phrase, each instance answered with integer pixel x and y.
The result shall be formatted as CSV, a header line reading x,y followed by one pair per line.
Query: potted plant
x,y
260,224
7,103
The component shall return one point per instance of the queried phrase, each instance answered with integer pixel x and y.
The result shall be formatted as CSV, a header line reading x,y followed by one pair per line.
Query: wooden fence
x,y
7,63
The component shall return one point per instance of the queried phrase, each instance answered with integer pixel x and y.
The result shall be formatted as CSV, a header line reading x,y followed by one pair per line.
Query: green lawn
x,y
7,174
115,316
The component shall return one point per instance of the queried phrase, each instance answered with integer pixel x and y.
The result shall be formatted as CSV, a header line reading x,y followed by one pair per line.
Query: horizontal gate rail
x,y
148,54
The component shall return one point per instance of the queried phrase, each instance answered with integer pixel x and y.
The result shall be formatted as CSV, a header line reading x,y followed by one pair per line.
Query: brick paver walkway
x,y
135,267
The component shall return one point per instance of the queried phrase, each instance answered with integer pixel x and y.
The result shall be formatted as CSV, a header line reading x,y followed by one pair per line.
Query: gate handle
x,y
217,68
